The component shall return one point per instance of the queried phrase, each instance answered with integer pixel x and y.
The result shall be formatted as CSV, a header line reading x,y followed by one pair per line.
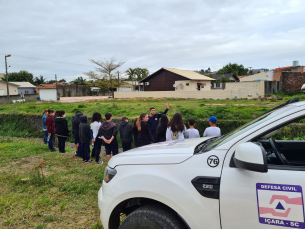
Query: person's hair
x,y
46,110
162,124
60,113
96,117
50,111
139,121
78,112
213,122
124,119
152,108
56,113
134,122
108,116
176,123
192,122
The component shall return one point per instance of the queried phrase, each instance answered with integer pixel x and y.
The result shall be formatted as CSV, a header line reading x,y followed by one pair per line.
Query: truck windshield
x,y
240,130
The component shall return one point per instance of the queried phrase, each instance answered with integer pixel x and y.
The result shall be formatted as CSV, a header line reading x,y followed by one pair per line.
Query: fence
x,y
3,99
272,87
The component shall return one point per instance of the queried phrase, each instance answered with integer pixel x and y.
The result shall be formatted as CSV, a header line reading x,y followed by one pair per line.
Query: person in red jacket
x,y
50,124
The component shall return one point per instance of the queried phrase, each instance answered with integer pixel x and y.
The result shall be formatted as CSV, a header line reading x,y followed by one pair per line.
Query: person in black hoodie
x,y
75,129
144,134
135,132
125,134
108,132
85,137
62,131
160,135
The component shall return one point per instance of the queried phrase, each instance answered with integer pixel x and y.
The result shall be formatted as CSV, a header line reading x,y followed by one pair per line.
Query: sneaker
x,y
53,150
88,161
100,162
76,155
64,152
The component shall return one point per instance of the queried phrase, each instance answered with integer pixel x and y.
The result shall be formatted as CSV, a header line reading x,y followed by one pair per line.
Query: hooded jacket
x,y
75,125
61,126
125,132
50,124
84,130
108,129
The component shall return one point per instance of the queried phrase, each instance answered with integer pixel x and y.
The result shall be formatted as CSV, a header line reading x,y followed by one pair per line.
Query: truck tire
x,y
153,217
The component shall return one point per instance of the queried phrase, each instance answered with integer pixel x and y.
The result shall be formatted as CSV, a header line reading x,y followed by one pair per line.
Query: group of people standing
x,y
146,129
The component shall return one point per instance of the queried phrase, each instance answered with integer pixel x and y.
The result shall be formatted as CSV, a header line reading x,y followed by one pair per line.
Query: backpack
x,y
175,135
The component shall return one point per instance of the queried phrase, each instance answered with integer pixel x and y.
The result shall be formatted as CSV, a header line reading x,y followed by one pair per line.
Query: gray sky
x,y
184,34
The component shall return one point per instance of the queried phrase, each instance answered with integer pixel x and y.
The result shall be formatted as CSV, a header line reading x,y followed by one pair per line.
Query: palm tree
x,y
131,74
40,80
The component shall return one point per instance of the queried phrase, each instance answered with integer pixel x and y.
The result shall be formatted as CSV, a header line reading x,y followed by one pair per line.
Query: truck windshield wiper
x,y
205,144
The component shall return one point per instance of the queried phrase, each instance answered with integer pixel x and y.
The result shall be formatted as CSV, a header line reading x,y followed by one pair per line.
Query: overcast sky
x,y
181,34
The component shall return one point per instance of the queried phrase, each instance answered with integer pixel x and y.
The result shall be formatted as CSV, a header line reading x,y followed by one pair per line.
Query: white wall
x,y
192,85
233,90
48,94
13,89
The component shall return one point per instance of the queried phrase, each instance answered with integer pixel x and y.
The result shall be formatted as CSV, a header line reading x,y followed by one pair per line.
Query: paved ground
x,y
80,99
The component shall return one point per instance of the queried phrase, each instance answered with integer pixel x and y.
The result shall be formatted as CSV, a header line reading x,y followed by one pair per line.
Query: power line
x,y
48,60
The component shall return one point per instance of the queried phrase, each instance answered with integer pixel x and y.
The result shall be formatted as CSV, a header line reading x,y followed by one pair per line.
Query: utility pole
x,y
250,70
7,92
56,86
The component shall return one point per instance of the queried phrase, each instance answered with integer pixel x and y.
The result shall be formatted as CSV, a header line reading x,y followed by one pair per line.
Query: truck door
x,y
255,200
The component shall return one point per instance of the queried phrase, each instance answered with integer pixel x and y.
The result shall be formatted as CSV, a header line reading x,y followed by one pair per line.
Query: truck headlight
x,y
109,174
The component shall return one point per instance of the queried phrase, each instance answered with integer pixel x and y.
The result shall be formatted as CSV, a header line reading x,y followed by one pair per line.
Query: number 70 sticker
x,y
213,161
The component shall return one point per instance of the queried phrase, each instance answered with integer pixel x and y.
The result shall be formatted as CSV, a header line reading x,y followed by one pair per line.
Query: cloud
x,y
188,34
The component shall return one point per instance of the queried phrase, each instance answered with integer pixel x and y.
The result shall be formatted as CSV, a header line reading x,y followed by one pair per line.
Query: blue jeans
x,y
61,144
45,138
51,146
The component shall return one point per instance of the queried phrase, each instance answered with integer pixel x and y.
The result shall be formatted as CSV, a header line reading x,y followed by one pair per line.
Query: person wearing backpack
x,y
62,131
176,128
125,134
144,133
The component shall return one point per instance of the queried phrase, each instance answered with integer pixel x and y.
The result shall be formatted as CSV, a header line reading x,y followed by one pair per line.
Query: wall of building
x,y
28,90
3,99
258,76
192,85
233,90
163,81
47,94
272,87
293,81
13,90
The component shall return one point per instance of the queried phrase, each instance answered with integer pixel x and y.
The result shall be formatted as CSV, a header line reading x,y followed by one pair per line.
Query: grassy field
x,y
189,108
62,195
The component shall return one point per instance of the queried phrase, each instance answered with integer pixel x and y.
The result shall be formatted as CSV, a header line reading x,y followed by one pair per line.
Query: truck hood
x,y
171,152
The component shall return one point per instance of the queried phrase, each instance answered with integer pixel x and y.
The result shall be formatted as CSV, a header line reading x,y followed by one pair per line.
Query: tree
x,y
21,76
40,80
105,74
223,80
131,73
208,70
236,69
79,81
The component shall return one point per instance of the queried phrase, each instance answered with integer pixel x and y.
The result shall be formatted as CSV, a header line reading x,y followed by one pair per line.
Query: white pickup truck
x,y
244,179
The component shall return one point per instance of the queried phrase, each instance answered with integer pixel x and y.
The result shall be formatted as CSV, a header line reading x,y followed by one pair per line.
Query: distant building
x,y
277,72
13,88
172,79
230,76
25,88
262,76
134,86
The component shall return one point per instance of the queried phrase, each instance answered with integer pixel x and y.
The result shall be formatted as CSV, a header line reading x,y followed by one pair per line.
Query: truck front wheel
x,y
153,217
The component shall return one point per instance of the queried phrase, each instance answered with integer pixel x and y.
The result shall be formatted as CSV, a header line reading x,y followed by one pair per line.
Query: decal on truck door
x,y
280,205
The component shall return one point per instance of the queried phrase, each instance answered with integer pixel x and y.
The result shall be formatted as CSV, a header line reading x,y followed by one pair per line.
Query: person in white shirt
x,y
176,128
212,131
95,126
192,132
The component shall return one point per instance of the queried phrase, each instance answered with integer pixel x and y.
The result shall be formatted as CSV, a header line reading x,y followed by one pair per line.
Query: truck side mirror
x,y
251,157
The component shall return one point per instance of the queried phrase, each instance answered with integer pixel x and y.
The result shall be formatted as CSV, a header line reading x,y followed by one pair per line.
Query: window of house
x,y
217,84
187,84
